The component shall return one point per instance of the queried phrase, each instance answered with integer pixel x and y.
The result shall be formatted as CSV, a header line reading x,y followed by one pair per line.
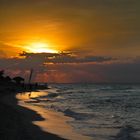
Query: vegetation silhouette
x,y
1,75
18,79
17,84
16,121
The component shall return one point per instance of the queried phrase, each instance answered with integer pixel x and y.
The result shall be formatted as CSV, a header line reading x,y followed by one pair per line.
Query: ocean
x,y
99,111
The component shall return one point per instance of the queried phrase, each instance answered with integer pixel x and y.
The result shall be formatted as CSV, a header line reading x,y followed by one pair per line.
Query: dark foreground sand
x,y
16,122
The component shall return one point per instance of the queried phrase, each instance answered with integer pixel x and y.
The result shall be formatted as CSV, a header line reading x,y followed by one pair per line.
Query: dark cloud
x,y
97,73
40,63
67,68
65,58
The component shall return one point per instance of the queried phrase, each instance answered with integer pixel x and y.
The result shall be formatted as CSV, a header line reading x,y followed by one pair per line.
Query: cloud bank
x,y
67,68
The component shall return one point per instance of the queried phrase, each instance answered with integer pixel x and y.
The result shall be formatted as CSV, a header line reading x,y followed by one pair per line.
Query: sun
x,y
39,47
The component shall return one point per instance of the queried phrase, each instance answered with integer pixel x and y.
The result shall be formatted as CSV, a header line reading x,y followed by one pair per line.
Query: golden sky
x,y
104,28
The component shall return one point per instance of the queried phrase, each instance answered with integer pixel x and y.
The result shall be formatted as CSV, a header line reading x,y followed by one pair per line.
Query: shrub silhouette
x,y
1,74
18,79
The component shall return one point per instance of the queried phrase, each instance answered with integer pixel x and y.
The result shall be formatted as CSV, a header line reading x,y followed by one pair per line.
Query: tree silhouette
x,y
18,79
7,79
1,74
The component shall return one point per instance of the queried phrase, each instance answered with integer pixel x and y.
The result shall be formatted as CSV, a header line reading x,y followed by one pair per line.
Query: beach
x,y
53,121
85,112
71,112
16,121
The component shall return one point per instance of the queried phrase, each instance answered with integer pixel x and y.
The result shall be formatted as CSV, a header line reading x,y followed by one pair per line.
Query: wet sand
x,y
53,122
16,122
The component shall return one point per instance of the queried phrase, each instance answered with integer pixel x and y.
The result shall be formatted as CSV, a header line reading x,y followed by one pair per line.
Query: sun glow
x,y
39,47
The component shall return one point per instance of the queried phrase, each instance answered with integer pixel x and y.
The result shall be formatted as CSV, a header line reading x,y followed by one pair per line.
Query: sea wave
x,y
78,116
104,112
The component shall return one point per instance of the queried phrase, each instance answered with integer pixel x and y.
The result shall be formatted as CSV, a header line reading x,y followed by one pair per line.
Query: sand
x,y
16,121
53,121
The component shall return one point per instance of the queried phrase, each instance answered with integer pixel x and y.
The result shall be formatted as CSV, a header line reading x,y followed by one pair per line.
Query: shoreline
x,y
16,121
53,122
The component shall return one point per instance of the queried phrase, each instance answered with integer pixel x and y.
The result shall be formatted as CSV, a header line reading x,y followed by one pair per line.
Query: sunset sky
x,y
71,40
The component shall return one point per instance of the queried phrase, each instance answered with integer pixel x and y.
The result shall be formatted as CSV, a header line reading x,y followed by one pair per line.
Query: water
x,y
102,112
